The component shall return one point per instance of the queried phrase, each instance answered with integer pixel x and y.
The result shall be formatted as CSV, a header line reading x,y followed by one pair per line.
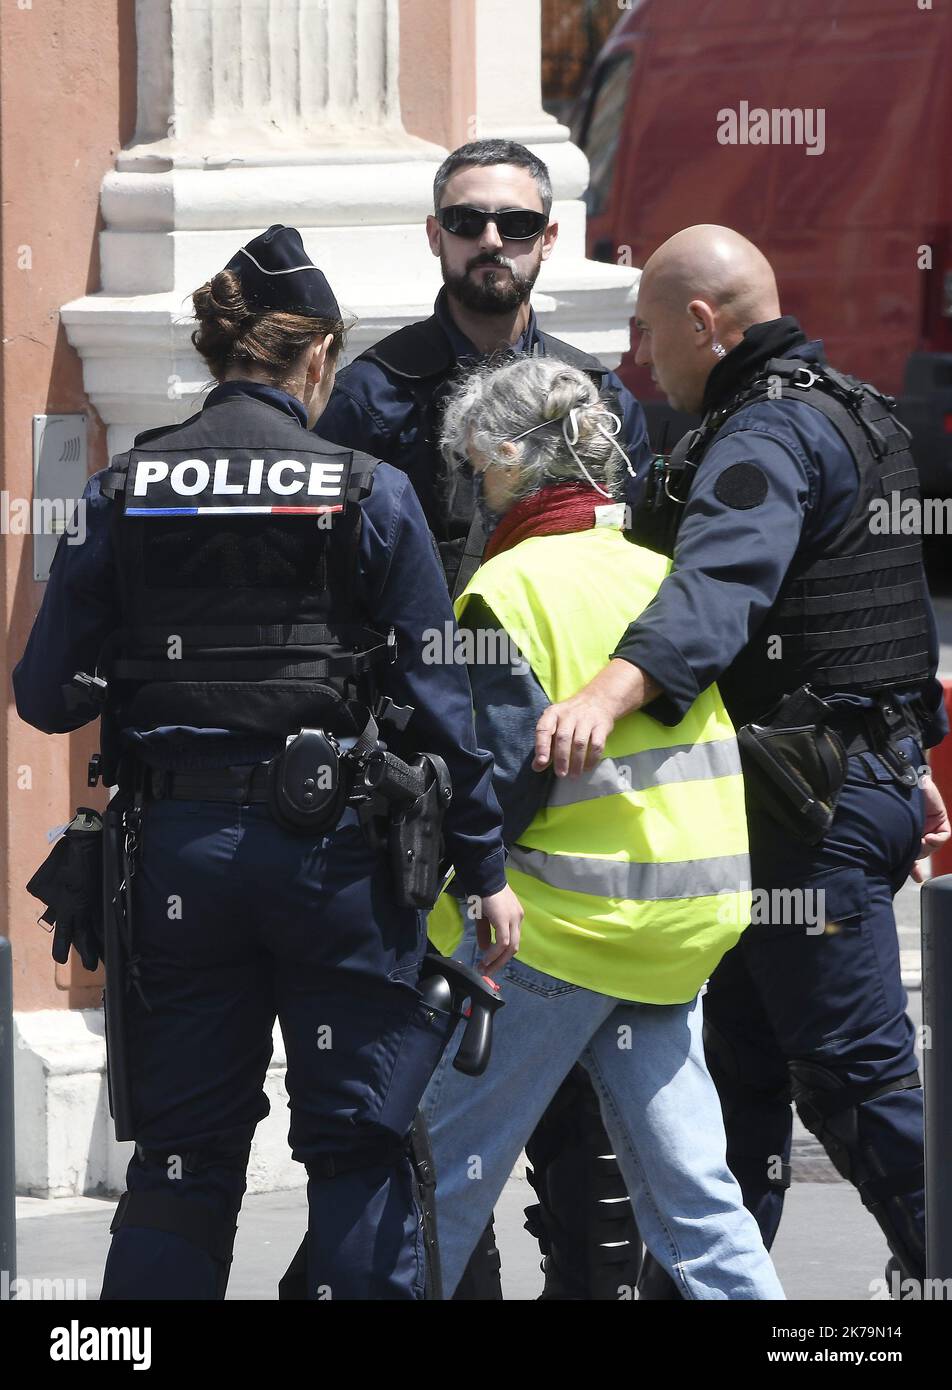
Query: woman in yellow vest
x,y
634,877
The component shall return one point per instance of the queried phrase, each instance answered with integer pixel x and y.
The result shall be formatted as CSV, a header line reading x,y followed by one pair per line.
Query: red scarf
x,y
555,509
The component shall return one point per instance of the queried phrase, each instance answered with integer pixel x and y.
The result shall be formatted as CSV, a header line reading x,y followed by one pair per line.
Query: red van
x,y
822,130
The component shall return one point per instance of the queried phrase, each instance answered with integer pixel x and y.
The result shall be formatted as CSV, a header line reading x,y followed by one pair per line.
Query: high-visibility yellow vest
x,y
634,877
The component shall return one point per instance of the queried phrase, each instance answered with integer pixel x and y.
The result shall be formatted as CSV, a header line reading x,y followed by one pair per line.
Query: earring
x,y
718,349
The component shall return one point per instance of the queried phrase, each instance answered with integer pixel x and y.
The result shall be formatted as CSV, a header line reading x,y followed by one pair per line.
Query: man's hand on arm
x,y
572,734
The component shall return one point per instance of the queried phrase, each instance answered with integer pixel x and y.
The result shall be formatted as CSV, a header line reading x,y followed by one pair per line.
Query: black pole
x,y
937,1070
8,1204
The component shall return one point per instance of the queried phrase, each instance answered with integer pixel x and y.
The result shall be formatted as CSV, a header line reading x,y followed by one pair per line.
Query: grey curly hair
x,y
496,403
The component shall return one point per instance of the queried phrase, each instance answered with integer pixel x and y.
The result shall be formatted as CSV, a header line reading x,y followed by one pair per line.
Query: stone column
x,y
255,111
251,112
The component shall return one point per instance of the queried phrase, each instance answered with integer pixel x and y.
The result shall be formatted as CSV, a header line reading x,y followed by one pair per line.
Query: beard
x,y
490,294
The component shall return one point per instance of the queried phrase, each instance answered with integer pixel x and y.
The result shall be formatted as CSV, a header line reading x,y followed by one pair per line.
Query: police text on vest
x,y
189,477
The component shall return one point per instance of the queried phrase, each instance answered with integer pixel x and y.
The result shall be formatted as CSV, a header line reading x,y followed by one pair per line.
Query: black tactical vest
x,y
421,356
236,544
855,618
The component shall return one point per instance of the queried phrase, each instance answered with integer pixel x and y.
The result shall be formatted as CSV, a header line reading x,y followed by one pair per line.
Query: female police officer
x,y
243,581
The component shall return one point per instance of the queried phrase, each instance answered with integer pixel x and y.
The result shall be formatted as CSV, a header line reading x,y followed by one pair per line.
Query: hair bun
x,y
221,303
570,389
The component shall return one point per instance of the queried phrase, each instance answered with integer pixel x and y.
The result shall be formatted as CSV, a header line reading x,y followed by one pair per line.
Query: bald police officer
x,y
816,624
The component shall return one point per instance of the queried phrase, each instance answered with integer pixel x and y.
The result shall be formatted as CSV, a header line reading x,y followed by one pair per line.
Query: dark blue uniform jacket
x,y
401,583
729,564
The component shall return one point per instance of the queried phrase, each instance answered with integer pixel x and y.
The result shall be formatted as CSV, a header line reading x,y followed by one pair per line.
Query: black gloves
x,y
69,882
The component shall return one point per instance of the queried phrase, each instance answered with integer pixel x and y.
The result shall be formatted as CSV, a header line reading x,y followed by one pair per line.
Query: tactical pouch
x,y
794,770
308,784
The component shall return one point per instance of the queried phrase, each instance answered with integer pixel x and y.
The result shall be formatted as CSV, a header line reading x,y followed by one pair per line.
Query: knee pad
x,y
831,1109
155,1204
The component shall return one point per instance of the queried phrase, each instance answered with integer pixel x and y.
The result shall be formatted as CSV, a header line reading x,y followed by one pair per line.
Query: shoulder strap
x,y
863,415
361,475
415,351
113,481
572,356
472,554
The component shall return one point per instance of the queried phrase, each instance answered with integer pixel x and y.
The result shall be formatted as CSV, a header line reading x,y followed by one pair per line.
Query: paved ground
x,y
828,1247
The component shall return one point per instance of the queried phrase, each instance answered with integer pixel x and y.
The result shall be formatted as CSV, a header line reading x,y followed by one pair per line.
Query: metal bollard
x,y
937,1071
8,1203
940,759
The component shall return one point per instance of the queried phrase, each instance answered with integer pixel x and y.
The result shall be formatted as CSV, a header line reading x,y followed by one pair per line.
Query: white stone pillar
x,y
251,112
587,302
257,111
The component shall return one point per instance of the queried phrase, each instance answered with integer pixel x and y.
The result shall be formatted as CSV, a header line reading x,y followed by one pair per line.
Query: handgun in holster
x,y
419,793
795,765
411,796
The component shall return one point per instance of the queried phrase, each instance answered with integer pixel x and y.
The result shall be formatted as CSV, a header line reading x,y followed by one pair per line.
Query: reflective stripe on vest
x,y
614,878
634,877
651,768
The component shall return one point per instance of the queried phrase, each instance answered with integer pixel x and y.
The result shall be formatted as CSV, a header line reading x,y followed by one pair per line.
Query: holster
x,y
416,838
794,766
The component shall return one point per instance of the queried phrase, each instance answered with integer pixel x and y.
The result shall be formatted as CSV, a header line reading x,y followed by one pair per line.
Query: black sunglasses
x,y
513,224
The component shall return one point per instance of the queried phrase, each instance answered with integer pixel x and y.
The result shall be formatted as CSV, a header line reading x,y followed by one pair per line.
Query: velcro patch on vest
x,y
220,482
741,486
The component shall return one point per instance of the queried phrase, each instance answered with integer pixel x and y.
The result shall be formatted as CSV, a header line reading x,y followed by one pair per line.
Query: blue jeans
x,y
660,1108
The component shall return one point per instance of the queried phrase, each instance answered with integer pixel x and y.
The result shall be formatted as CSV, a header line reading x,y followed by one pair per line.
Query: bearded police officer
x,y
252,603
816,624
491,231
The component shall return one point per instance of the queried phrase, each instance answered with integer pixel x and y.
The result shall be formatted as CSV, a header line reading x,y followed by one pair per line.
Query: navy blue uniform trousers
x,y
826,1007
236,922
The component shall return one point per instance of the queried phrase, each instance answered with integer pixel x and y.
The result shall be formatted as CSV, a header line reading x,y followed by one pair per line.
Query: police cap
x,y
277,275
